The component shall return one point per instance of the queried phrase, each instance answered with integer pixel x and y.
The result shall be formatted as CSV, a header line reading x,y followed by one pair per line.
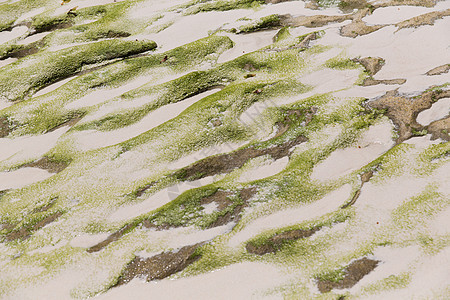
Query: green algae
x,y
198,6
46,68
339,63
267,22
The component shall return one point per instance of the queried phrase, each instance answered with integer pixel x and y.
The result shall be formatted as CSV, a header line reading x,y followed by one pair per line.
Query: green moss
x,y
266,22
282,34
197,6
36,71
341,64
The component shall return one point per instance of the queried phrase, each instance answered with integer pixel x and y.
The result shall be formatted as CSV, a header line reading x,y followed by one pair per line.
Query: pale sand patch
x,y
32,38
30,14
374,142
146,9
118,105
440,224
7,61
29,147
393,46
102,95
395,14
157,200
393,261
248,280
47,249
22,177
327,204
81,4
179,237
377,201
18,31
429,280
199,26
268,169
246,43
201,154
422,142
86,240
92,139
328,80
437,111
52,87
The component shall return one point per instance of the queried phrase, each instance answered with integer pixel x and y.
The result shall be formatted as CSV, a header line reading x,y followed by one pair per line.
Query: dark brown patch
x,y
249,67
45,207
226,163
358,28
425,19
365,177
440,129
403,110
274,243
140,191
347,6
275,1
111,34
25,232
112,238
371,64
5,127
302,45
311,21
46,163
352,274
220,198
164,226
159,266
53,26
370,81
291,114
235,215
439,70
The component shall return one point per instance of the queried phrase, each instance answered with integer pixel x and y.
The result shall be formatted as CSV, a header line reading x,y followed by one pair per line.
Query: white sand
x,y
374,142
437,111
393,46
103,95
201,154
156,200
81,4
32,38
6,62
394,14
246,43
18,31
328,80
199,27
175,238
240,281
22,177
88,240
52,87
327,204
29,147
30,14
92,139
439,225
268,169
428,279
